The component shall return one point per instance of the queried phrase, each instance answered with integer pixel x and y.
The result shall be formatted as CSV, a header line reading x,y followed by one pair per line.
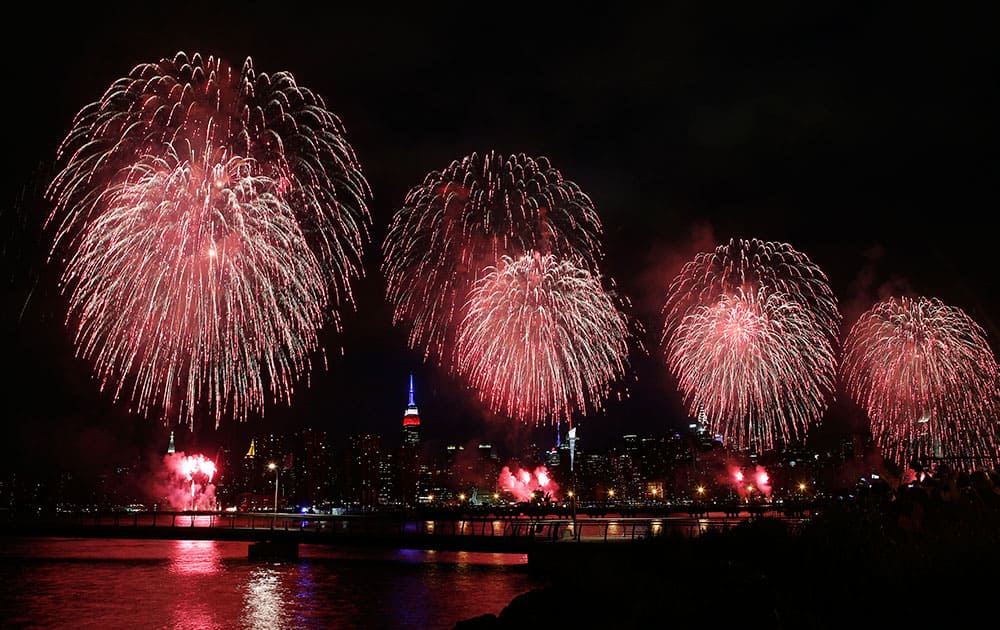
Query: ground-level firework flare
x,y
748,486
208,217
927,378
528,485
461,220
188,484
542,339
749,333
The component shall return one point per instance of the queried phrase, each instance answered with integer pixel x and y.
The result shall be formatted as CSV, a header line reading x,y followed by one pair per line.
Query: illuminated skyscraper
x,y
411,422
364,457
409,456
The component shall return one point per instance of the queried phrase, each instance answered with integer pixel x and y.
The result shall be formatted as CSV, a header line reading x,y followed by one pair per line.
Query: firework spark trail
x,y
749,332
210,218
749,264
463,219
927,378
542,339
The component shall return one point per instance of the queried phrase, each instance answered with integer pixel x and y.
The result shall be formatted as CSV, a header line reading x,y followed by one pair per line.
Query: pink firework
x,y
208,219
927,378
527,485
461,220
749,333
759,482
758,365
542,339
189,482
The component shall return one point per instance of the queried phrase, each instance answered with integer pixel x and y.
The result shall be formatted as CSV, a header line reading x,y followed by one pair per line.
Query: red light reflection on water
x,y
196,557
208,585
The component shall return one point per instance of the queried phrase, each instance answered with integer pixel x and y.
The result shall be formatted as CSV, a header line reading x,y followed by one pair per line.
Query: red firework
x,y
927,378
749,333
461,220
210,216
542,339
527,485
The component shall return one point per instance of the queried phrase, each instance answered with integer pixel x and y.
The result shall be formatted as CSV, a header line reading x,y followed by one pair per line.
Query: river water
x,y
87,583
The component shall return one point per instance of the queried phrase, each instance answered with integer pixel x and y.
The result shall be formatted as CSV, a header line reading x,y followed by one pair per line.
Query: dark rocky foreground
x,y
923,556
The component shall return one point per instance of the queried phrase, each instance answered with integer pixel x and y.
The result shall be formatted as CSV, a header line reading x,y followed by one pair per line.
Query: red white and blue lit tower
x,y
411,422
409,460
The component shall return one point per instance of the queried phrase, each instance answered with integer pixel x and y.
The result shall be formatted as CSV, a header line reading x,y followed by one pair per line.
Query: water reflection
x,y
264,600
195,616
196,563
212,585
306,595
196,557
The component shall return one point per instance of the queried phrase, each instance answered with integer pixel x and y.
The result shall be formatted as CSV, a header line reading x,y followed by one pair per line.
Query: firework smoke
x,y
208,219
927,378
541,339
526,485
187,482
749,333
758,481
461,220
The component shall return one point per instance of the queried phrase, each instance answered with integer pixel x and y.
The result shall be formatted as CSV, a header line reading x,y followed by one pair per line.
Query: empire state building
x,y
411,422
409,460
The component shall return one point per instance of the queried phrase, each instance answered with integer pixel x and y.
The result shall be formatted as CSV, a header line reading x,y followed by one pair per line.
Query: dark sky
x,y
864,136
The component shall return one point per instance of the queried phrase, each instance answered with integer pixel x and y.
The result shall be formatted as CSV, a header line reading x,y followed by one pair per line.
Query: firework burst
x,y
541,338
209,218
749,333
461,220
754,362
927,378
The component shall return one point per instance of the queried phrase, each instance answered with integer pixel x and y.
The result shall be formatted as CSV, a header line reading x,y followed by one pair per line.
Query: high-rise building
x,y
316,473
364,459
250,473
387,476
411,421
488,468
409,455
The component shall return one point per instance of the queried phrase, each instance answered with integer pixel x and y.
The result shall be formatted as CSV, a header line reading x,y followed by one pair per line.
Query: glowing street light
x,y
611,493
802,487
461,497
274,467
700,489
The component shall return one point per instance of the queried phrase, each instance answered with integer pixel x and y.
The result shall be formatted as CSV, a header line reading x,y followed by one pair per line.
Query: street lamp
x,y
802,487
274,467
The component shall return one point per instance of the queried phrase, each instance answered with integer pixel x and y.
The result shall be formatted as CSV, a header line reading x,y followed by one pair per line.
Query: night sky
x,y
865,137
